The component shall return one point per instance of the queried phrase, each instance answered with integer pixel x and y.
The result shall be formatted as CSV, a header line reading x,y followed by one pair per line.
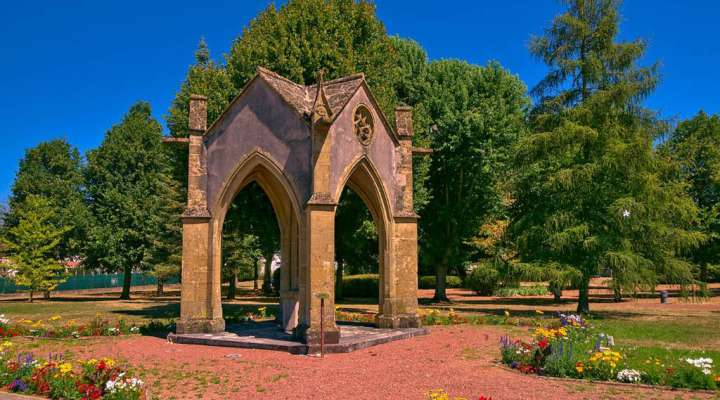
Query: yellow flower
x,y
27,321
5,345
109,362
54,318
507,313
539,312
65,368
91,361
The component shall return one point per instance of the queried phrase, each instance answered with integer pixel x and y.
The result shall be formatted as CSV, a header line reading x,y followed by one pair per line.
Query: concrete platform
x,y
268,336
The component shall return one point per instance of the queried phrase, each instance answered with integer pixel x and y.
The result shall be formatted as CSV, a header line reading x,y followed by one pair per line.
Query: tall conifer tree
x,y
592,193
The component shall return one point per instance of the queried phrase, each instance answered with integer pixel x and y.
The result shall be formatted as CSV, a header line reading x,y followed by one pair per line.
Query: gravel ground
x,y
458,359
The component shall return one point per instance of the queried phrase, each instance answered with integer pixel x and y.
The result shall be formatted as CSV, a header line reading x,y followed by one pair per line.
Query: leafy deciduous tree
x,y
31,244
477,115
53,170
132,195
695,146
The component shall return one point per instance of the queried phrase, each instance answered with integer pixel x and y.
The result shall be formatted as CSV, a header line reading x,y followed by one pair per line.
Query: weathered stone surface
x,y
266,336
302,145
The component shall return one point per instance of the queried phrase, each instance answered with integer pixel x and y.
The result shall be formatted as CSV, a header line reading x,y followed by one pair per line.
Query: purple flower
x,y
514,364
18,386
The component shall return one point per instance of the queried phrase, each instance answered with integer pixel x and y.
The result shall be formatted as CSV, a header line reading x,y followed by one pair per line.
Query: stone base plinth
x,y
200,326
398,321
269,336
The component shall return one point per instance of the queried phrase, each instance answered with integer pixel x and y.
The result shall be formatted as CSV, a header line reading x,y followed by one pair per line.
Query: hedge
x,y
364,286
428,282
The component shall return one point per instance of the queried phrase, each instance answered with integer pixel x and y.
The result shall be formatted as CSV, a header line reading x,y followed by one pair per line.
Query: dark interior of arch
x,y
356,245
250,233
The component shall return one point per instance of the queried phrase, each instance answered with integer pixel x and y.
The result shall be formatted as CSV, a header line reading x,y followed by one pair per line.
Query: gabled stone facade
x,y
302,145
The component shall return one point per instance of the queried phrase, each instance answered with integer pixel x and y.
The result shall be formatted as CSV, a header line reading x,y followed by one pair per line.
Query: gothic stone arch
x,y
302,145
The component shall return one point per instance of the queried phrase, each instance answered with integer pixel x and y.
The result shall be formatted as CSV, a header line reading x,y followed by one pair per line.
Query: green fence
x,y
80,282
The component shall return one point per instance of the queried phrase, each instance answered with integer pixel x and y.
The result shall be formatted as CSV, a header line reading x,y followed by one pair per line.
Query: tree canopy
x,y
591,192
53,170
31,244
131,195
695,146
478,114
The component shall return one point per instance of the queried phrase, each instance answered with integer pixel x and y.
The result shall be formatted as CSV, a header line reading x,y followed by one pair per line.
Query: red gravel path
x,y
459,359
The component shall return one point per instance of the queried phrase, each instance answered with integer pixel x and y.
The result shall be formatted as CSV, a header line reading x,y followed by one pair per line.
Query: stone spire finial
x,y
321,112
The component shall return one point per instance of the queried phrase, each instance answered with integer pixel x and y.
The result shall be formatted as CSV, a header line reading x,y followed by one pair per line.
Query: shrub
x,y
535,290
484,280
365,286
428,282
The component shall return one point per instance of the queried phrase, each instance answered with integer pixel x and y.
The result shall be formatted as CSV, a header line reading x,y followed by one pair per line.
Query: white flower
x,y
134,329
705,364
75,334
626,213
3,319
628,375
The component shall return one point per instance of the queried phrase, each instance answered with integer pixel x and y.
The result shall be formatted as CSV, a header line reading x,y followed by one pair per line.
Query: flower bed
x,y
56,327
569,347
58,378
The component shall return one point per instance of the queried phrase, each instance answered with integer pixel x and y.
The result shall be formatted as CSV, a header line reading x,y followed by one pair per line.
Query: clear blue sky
x,y
71,69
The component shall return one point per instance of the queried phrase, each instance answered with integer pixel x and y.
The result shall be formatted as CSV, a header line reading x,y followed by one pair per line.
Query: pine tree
x,y
592,193
132,196
31,244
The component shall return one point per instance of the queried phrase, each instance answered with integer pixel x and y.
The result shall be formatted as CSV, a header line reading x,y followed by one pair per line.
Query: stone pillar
x,y
319,278
400,310
200,306
320,283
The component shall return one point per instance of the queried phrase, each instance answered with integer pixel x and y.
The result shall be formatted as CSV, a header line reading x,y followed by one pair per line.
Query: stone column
x,y
200,306
319,278
400,311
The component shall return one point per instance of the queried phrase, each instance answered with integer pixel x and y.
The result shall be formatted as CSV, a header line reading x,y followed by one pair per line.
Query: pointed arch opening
x,y
362,235
257,182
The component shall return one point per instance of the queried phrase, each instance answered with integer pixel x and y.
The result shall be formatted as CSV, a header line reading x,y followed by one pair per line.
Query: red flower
x,y
485,398
543,343
89,391
101,365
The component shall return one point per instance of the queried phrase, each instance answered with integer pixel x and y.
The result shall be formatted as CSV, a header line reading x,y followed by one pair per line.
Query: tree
x,y
477,115
32,243
303,36
695,146
241,253
53,170
591,192
131,195
251,213
356,239
206,78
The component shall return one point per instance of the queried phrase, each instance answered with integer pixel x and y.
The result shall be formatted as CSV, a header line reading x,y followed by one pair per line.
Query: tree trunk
x,y
557,294
160,289
584,297
267,274
46,295
232,286
255,276
339,280
440,277
617,295
31,296
127,280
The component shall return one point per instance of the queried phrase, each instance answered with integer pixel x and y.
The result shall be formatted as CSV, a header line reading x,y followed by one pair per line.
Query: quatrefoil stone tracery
x,y
363,125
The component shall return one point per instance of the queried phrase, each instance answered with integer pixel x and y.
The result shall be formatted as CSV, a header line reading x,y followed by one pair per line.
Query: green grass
x,y
692,333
